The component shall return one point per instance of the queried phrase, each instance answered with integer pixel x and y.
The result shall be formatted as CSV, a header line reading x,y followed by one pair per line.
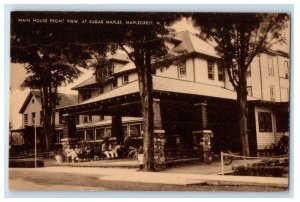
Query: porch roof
x,y
165,85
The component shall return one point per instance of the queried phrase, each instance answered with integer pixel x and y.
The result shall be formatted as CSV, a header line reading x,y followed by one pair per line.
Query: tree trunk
x,y
46,98
243,121
143,65
147,105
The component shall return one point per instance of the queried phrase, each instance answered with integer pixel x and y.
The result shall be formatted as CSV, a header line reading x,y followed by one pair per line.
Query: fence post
x,y
222,164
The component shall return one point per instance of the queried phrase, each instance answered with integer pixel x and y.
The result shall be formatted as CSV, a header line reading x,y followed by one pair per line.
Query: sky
x,y
18,74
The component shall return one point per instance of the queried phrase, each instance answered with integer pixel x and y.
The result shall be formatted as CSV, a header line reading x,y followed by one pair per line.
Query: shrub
x,y
25,163
267,171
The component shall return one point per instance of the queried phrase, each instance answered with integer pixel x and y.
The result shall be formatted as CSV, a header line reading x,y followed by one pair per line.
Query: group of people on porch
x,y
109,149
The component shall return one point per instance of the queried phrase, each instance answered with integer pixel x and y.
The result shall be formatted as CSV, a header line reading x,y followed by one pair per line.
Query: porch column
x,y
202,137
69,130
116,128
202,108
159,137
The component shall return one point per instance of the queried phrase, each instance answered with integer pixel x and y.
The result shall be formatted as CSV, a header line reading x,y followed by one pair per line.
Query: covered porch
x,y
183,112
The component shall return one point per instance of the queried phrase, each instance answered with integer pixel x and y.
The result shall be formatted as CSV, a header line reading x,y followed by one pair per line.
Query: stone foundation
x,y
159,149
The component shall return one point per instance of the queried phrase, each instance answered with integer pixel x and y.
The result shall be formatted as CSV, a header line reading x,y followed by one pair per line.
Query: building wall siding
x,y
265,139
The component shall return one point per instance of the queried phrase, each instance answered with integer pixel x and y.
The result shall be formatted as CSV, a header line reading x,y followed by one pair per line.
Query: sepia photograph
x,y
149,101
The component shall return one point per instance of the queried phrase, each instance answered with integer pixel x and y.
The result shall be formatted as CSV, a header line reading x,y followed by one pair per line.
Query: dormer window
x,y
104,72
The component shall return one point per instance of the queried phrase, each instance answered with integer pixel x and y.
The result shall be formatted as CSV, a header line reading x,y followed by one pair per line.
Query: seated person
x,y
109,149
70,153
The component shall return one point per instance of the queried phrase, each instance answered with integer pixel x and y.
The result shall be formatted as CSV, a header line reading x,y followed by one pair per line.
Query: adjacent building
x,y
32,120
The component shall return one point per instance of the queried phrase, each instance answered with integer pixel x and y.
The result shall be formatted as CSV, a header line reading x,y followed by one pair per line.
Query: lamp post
x,y
35,152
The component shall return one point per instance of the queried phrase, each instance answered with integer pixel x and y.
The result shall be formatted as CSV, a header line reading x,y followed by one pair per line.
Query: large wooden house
x,y
189,99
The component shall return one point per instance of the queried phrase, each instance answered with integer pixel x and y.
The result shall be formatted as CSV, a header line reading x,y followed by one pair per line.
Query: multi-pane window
x,y
86,94
182,71
265,122
33,118
221,74
87,118
286,69
25,119
89,135
249,90
272,93
270,66
104,72
100,133
108,132
125,79
80,134
210,69
135,130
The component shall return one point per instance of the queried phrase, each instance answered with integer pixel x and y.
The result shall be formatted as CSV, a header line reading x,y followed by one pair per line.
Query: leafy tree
x,y
46,46
51,60
239,38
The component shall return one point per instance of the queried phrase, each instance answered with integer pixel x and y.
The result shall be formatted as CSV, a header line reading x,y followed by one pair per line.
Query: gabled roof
x,y
193,44
32,93
278,52
90,81
125,68
65,99
118,57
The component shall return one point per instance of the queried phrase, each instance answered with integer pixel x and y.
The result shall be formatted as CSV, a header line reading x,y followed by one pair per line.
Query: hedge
x,y
267,171
25,163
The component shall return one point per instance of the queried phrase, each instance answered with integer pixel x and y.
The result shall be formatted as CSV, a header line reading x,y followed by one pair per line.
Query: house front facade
x,y
190,98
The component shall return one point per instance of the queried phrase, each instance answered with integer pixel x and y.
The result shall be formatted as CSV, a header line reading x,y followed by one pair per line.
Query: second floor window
x,y
25,119
87,94
125,79
101,90
249,71
249,90
221,72
115,83
272,93
87,118
210,69
286,69
33,117
270,66
181,71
